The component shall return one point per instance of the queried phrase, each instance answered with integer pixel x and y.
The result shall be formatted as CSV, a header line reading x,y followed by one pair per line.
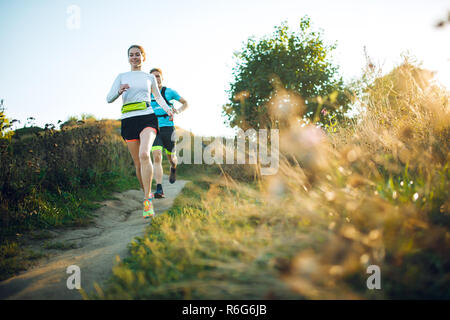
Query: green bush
x,y
42,171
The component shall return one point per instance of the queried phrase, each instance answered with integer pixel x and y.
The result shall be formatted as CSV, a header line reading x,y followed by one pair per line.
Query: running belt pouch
x,y
134,106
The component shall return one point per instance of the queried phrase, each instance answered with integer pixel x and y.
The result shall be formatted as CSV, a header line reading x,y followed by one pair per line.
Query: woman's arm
x,y
114,92
158,97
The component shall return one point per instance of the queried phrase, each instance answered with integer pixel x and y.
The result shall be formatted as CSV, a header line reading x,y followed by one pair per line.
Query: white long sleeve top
x,y
142,85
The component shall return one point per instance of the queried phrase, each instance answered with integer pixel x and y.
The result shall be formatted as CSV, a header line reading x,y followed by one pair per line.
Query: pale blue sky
x,y
51,72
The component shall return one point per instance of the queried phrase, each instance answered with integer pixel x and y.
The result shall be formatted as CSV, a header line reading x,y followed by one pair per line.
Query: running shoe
x,y
173,175
148,209
159,192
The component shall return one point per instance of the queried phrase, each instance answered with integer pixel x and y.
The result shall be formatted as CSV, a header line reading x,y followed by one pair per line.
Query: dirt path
x,y
96,248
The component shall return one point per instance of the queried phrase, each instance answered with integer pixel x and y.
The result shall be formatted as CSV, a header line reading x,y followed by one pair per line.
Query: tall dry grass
x,y
374,193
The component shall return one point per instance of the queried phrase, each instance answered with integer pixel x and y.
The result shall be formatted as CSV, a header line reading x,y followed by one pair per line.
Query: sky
x,y
59,58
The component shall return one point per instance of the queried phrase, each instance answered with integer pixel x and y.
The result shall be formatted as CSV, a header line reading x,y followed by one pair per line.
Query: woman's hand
x,y
123,87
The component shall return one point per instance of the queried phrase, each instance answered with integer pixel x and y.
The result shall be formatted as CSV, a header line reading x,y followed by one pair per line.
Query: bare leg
x,y
133,147
147,136
173,163
157,159
172,159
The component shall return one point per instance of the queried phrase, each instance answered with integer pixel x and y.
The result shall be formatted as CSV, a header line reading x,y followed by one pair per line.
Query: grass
x,y
368,194
41,235
64,209
14,259
58,212
204,248
373,193
55,179
59,246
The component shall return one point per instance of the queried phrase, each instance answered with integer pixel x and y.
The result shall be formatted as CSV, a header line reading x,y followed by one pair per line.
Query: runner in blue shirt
x,y
166,137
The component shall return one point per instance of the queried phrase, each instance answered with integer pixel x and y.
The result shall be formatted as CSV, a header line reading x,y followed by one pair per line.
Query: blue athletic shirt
x,y
170,96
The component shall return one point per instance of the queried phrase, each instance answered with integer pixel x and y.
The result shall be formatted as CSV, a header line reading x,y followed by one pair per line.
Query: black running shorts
x,y
132,127
164,140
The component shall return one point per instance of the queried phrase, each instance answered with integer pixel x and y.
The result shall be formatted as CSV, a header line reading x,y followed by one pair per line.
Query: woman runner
x,y
139,125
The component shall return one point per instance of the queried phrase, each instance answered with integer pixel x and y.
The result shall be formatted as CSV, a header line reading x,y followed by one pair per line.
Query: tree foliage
x,y
295,61
5,124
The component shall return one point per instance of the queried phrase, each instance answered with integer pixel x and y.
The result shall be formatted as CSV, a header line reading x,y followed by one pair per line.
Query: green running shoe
x,y
148,208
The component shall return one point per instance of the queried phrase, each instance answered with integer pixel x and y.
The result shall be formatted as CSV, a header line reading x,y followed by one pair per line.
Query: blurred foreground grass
x,y
372,193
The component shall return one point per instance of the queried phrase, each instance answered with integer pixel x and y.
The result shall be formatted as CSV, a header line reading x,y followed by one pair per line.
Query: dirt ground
x,y
95,249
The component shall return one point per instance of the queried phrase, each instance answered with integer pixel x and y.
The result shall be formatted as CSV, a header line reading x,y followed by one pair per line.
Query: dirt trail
x,y
96,248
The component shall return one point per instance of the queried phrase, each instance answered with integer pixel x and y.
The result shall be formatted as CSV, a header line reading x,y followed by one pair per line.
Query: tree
x,y
296,63
5,124
73,120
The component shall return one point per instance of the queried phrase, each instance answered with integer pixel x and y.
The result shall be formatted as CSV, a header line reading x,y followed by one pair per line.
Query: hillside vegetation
x,y
375,192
